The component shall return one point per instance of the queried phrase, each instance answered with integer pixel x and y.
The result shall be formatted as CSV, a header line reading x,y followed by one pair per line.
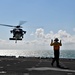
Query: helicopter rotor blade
x,y
22,22
18,26
7,25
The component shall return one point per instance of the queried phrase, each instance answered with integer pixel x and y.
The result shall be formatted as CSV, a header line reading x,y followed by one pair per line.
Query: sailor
x,y
56,47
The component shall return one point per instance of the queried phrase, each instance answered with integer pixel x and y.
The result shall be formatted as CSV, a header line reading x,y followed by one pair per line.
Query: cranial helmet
x,y
56,39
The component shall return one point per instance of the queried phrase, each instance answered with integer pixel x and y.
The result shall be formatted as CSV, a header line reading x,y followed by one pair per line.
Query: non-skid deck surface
x,y
35,66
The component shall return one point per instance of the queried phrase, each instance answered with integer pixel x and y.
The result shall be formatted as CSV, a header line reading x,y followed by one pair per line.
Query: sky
x,y
46,20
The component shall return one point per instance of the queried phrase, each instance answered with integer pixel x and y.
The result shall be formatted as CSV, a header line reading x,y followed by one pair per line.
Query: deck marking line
x,y
47,68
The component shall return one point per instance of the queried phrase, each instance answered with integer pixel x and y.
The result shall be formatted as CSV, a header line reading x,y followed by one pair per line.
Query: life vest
x,y
56,45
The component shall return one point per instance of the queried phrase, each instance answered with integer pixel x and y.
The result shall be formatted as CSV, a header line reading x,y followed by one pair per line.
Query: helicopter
x,y
17,31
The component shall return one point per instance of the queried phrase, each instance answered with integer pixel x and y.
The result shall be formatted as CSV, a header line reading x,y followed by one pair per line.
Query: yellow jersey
x,y
56,45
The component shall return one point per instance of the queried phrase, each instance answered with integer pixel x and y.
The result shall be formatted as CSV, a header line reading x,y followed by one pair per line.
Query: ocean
x,y
38,53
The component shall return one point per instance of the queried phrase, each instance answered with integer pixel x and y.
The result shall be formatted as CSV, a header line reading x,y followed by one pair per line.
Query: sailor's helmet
x,y
56,39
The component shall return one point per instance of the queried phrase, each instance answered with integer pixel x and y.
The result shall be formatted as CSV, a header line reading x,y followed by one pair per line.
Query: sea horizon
x,y
70,54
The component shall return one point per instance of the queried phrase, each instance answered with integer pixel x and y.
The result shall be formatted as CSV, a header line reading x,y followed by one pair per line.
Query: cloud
x,y
40,33
41,41
61,34
67,39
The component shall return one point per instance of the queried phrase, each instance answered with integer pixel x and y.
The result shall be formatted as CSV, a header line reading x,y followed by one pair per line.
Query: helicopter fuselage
x,y
17,31
17,34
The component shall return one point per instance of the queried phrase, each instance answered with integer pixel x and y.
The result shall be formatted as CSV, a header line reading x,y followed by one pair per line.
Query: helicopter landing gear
x,y
14,39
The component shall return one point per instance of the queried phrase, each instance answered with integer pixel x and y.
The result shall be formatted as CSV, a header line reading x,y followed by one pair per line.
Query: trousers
x,y
56,57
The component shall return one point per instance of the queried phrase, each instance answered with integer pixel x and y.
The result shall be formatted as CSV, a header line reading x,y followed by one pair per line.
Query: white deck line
x,y
53,69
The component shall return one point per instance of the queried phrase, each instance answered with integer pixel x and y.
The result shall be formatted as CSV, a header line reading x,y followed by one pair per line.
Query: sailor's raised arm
x,y
60,43
51,42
